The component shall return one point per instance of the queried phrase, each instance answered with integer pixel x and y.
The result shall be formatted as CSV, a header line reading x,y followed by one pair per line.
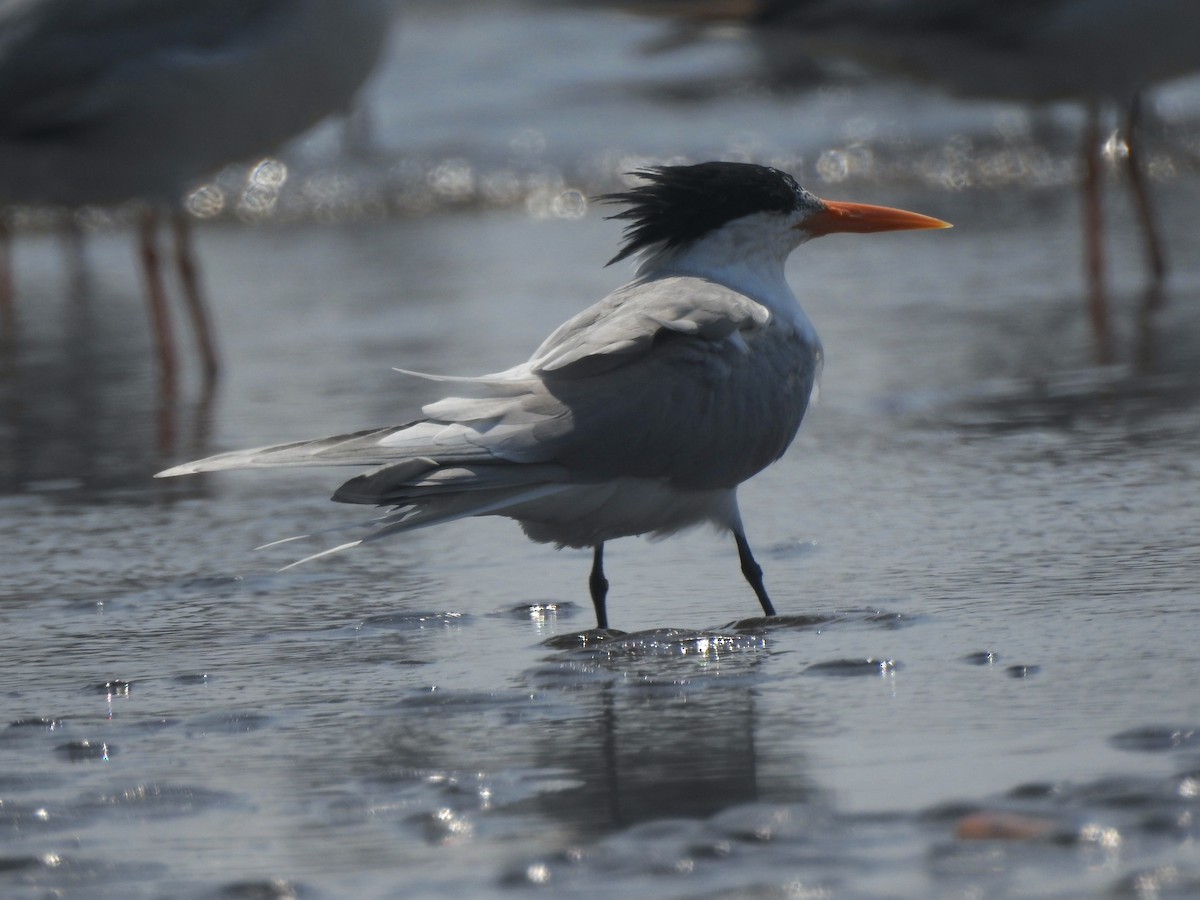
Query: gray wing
x,y
682,379
679,378
626,324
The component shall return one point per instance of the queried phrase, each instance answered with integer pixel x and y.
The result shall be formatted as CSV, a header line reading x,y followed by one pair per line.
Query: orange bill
x,y
862,218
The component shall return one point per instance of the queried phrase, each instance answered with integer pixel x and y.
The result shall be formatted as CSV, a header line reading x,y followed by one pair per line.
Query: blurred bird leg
x,y
1093,227
156,297
1145,347
8,309
1141,191
73,251
189,277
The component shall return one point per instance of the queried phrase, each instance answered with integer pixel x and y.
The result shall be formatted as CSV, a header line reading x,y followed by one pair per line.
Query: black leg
x,y
753,572
598,585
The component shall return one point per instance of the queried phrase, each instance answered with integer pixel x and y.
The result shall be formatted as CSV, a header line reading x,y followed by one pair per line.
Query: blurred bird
x,y
1090,51
102,103
1094,52
643,413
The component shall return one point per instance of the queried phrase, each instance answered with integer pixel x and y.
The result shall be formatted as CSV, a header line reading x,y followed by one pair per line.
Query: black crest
x,y
679,204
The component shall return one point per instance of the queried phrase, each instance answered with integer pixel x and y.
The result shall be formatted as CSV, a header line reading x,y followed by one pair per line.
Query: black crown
x,y
679,204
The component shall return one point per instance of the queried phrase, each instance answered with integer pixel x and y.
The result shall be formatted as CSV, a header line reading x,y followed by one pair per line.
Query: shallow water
x,y
983,545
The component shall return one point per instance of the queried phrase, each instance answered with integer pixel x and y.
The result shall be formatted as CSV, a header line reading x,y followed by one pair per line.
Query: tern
x,y
102,103
643,413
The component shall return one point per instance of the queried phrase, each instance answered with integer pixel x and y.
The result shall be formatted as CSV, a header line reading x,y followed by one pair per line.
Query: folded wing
x,y
650,382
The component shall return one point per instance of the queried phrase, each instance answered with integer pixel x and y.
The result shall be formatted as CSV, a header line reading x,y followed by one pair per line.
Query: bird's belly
x,y
588,514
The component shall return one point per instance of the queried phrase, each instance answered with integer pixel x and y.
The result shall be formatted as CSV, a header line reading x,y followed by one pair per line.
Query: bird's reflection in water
x,y
1145,343
1154,392
616,741
83,407
645,758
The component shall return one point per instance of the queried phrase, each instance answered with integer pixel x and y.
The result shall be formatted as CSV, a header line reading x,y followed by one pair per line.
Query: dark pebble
x,y
981,658
1022,671
39,722
1155,738
194,678
1034,790
84,751
849,667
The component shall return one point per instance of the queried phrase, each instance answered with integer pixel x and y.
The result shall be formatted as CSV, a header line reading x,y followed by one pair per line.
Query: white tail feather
x,y
329,552
410,518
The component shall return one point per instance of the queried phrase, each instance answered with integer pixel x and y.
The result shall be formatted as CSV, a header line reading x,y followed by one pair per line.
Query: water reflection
x,y
1153,392
83,408
618,741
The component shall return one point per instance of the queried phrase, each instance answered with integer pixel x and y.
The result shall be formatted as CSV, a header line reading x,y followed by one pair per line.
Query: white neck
x,y
747,255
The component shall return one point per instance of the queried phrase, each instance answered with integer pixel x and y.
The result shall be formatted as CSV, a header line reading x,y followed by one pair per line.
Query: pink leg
x,y
8,305
1141,193
1094,234
156,297
197,309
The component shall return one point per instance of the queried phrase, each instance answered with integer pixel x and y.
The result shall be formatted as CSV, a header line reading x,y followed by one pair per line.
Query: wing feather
x,y
628,322
655,381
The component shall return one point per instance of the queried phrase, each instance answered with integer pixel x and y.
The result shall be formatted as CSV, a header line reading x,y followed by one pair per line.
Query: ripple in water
x,y
227,723
159,801
671,642
414,621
